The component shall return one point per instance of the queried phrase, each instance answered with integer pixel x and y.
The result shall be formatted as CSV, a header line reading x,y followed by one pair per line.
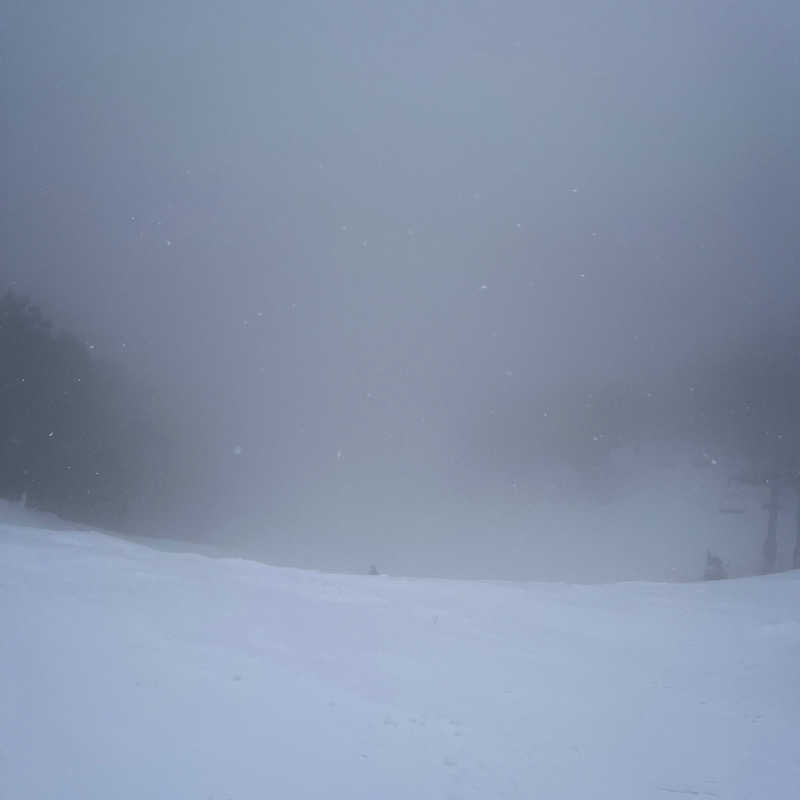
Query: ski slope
x,y
131,673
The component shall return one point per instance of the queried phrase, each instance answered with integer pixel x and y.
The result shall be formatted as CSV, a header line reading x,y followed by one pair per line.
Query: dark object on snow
x,y
715,569
373,570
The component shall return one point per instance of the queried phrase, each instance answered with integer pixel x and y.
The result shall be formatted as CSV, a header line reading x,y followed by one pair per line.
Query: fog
x,y
345,235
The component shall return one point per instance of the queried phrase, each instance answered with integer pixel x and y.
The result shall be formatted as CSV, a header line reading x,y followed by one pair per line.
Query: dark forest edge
x,y
80,437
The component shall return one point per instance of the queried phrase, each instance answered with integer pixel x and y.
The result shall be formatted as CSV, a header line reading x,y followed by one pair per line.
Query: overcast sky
x,y
343,229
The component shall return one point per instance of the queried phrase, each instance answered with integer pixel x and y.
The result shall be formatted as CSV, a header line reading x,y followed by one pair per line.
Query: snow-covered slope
x,y
131,673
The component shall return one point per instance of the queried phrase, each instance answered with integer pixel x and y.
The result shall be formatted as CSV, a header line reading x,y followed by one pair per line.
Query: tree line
x,y
79,436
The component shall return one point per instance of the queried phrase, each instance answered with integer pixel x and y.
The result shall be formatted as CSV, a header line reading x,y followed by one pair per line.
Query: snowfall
x,y
132,673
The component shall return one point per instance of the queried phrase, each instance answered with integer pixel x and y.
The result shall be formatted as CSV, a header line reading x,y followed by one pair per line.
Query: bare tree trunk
x,y
771,542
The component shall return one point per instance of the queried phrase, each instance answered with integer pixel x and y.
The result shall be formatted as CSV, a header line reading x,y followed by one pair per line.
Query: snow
x,y
133,673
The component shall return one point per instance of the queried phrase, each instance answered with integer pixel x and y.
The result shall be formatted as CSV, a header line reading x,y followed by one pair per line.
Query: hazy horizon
x,y
345,235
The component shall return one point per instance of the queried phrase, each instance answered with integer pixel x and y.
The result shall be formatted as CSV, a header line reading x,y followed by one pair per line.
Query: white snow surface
x,y
131,673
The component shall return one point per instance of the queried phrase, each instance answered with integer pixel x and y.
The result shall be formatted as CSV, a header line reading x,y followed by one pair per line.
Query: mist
x,y
345,239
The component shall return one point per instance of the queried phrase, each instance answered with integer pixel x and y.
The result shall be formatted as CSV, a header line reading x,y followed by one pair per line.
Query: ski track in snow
x,y
133,673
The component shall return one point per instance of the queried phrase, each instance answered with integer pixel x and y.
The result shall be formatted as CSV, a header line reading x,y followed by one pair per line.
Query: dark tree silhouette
x,y
78,436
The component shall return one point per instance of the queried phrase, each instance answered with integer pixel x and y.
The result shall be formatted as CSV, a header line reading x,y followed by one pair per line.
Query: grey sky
x,y
348,226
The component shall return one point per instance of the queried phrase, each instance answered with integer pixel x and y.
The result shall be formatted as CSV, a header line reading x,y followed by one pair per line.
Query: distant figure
x,y
373,570
715,569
